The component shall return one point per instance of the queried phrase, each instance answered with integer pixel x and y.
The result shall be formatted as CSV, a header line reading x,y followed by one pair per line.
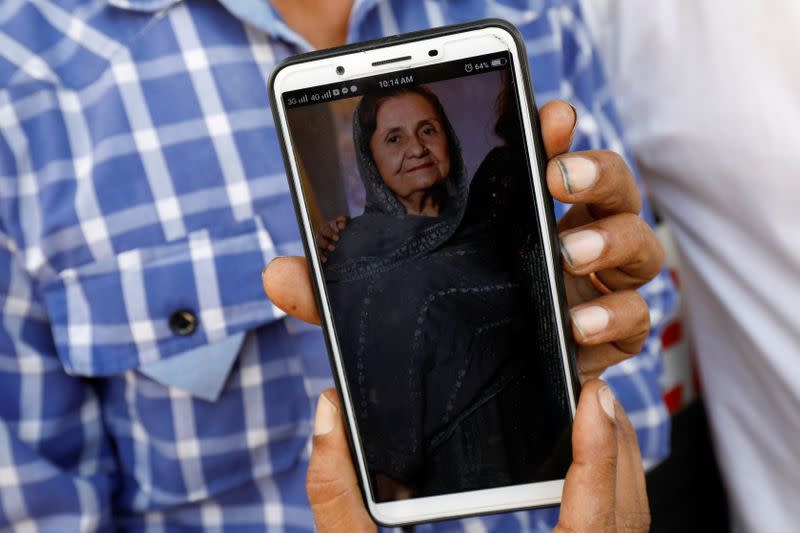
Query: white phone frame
x,y
358,64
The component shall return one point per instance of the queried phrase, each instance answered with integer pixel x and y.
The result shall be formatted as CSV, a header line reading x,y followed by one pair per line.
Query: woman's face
x,y
409,147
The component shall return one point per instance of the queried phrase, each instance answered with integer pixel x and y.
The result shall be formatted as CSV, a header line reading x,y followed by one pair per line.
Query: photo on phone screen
x,y
420,194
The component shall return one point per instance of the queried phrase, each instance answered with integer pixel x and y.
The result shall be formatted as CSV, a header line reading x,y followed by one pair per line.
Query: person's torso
x,y
145,179
709,94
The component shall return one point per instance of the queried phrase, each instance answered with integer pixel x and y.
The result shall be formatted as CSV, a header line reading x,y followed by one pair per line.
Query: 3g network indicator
x,y
322,96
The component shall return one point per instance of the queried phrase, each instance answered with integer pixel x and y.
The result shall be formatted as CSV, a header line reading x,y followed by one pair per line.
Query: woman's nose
x,y
416,148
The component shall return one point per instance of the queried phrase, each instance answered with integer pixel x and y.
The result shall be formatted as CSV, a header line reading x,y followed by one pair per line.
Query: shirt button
x,y
183,322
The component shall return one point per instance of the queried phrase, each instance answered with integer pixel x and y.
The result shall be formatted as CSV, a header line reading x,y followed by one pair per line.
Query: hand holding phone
x,y
442,300
589,491
604,489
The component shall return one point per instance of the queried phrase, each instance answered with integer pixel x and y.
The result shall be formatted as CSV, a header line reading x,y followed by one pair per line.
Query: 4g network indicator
x,y
325,95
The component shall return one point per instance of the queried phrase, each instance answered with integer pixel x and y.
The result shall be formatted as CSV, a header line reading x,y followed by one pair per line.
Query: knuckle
x,y
642,225
633,325
659,253
606,462
645,320
646,233
612,163
322,489
611,158
628,349
641,313
634,224
639,304
620,224
615,169
638,238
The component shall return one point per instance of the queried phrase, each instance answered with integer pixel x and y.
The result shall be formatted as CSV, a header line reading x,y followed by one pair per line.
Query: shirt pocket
x,y
150,304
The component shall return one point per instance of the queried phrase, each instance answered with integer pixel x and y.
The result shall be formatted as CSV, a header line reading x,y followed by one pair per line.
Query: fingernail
x,y
325,419
264,270
606,398
574,125
582,247
331,247
591,320
341,225
335,236
578,173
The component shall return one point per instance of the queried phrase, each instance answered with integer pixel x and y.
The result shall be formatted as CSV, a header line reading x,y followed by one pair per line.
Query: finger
x,y
325,231
621,317
329,231
589,495
334,227
287,282
633,510
341,221
594,360
579,289
324,244
622,249
600,179
558,120
331,483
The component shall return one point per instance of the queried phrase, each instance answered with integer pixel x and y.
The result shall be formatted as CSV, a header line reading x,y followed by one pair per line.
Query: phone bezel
x,y
457,43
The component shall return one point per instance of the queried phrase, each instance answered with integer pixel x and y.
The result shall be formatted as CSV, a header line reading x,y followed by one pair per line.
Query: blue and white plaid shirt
x,y
145,381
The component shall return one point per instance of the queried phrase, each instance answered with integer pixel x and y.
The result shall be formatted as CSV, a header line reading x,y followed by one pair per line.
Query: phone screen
x,y
420,195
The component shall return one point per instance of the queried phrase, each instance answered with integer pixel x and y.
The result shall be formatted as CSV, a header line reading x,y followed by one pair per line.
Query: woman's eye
x,y
392,139
428,130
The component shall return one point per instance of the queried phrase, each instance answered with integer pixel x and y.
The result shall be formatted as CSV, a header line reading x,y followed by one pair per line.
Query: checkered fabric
x,y
140,175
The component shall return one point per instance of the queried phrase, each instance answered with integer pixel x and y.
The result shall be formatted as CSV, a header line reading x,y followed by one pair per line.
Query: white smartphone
x,y
417,171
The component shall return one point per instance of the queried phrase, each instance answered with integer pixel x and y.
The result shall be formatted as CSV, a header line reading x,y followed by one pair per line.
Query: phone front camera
x,y
433,53
340,70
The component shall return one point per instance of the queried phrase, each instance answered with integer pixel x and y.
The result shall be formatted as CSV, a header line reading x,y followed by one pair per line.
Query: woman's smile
x,y
420,166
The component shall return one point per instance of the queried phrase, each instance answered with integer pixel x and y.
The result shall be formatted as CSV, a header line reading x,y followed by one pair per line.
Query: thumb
x,y
331,484
287,282
558,122
589,498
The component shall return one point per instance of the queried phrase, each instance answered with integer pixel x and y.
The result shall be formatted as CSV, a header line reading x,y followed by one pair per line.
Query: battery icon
x,y
499,62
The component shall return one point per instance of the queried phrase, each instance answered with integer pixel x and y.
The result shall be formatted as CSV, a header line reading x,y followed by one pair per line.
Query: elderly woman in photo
x,y
433,322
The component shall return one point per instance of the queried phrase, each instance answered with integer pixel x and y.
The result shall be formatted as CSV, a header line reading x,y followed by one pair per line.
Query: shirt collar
x,y
257,13
261,14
